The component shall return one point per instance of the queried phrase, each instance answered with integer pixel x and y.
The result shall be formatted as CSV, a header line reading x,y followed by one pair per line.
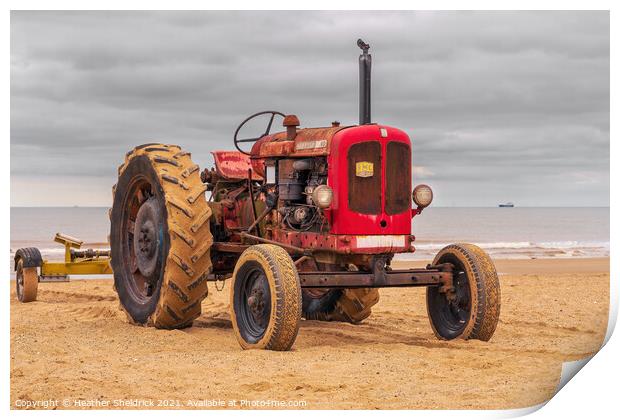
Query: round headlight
x,y
322,196
422,195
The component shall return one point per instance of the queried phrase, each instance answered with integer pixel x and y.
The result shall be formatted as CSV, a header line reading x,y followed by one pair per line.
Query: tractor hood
x,y
302,143
321,141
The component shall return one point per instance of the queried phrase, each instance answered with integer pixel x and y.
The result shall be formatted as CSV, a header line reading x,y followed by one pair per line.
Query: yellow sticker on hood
x,y
364,169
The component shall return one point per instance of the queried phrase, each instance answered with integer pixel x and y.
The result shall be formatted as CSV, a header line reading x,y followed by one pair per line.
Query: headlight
x,y
422,195
322,196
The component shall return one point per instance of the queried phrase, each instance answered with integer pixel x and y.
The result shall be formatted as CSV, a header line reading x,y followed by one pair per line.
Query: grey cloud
x,y
515,103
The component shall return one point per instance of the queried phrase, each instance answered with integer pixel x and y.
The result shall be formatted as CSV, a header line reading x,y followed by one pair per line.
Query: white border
x,y
593,394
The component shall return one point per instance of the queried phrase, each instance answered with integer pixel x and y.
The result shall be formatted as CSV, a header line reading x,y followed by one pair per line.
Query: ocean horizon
x,y
518,232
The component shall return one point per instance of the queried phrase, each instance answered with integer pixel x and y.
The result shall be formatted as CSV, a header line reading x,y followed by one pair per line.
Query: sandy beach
x,y
74,343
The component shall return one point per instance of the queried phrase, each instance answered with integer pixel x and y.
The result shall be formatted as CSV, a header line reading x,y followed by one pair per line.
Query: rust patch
x,y
308,142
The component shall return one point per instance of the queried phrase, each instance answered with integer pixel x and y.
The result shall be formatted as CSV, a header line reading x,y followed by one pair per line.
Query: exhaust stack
x,y
365,61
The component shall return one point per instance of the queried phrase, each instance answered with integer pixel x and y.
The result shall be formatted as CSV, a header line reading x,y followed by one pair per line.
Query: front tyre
x,y
471,310
265,299
160,237
27,260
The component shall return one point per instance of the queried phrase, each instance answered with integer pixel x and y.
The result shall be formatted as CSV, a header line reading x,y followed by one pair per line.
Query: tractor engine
x,y
294,191
297,180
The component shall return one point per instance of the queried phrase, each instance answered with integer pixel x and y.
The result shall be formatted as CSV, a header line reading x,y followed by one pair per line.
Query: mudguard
x,y
31,257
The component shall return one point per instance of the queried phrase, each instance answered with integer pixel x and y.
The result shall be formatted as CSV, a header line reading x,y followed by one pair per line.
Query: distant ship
x,y
506,205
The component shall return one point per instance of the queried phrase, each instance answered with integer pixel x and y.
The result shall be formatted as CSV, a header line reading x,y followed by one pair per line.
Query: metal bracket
x,y
447,287
391,278
54,279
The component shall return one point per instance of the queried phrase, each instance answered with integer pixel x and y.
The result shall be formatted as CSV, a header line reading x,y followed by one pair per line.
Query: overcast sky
x,y
500,106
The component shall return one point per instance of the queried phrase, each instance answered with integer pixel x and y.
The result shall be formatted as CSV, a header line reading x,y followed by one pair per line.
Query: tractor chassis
x,y
438,275
380,277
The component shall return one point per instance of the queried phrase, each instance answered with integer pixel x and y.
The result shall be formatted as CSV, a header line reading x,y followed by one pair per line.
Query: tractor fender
x,y
31,257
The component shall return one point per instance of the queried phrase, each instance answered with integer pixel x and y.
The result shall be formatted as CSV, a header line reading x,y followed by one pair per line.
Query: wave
x,y
517,249
574,244
522,245
522,249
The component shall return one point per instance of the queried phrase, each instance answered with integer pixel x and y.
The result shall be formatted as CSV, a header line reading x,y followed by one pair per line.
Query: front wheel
x,y
26,277
26,283
265,299
471,309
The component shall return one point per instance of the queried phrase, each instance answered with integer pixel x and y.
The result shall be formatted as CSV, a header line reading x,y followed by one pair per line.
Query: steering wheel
x,y
254,139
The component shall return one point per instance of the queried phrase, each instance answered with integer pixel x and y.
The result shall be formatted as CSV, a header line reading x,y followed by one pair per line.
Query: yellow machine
x,y
31,269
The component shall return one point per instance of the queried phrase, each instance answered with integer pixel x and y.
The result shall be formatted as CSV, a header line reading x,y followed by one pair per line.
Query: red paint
x,y
343,220
233,165
342,244
345,224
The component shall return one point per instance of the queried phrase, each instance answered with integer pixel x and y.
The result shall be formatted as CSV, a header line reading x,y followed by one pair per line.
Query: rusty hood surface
x,y
307,142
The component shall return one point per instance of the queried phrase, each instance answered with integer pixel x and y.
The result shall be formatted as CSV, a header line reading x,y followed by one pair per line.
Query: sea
x,y
518,232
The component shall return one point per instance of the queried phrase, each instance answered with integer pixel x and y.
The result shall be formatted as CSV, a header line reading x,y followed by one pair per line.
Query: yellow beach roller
x,y
31,269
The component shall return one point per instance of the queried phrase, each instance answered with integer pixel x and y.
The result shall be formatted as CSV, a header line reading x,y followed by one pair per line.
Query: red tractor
x,y
304,223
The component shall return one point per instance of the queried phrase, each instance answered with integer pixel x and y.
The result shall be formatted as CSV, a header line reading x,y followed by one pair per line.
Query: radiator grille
x,y
398,178
365,184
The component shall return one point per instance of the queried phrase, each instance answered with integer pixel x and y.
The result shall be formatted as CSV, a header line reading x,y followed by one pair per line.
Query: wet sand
x,y
74,343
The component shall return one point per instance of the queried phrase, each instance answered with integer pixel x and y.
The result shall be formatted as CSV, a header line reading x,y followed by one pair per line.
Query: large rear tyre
x,y
265,299
160,237
471,310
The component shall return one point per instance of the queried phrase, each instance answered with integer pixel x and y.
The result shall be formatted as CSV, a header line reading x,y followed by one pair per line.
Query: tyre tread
x,y
487,303
286,294
184,283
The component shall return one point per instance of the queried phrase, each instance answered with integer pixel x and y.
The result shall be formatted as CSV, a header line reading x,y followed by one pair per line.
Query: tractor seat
x,y
233,165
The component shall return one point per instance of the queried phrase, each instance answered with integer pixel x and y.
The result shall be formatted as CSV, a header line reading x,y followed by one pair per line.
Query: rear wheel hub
x,y
146,242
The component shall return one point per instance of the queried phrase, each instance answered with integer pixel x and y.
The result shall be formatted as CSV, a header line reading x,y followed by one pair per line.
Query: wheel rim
x,y
19,280
252,302
142,230
452,314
